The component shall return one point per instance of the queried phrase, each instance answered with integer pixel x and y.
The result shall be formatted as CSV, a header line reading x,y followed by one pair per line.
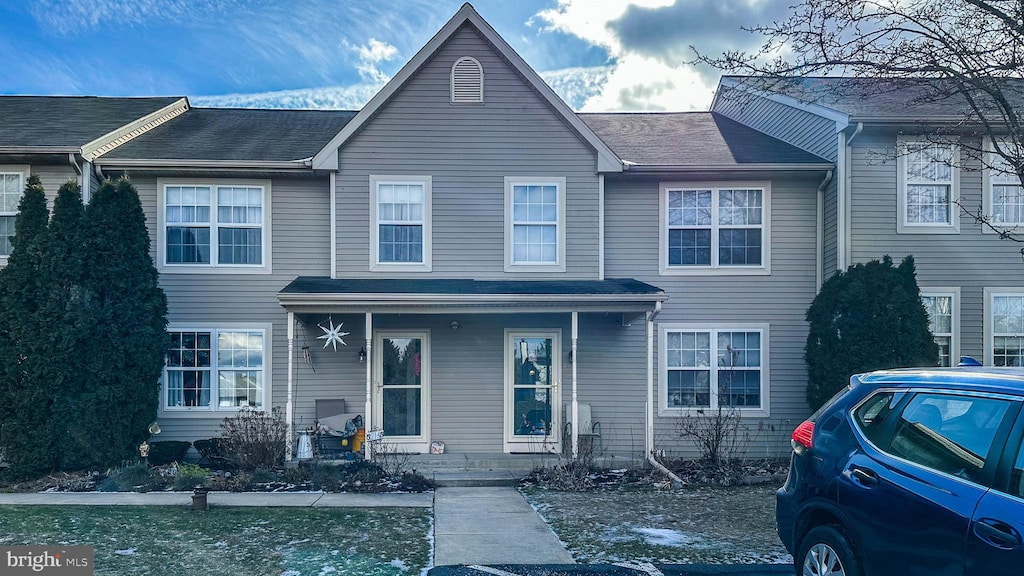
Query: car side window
x,y
1017,476
872,415
948,433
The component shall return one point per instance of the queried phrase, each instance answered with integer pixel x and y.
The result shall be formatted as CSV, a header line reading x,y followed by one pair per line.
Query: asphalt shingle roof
x,y
68,121
881,98
237,134
691,139
609,286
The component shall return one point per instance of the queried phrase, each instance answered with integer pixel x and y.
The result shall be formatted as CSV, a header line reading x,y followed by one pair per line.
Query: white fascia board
x,y
122,134
327,157
354,298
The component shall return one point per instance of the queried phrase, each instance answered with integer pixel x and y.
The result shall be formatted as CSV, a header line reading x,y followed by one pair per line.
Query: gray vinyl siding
x,y
830,231
800,128
468,150
300,225
53,177
971,260
779,299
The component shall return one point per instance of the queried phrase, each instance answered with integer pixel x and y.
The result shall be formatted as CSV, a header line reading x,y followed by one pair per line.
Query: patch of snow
x,y
304,540
291,572
328,570
664,537
399,564
125,552
220,544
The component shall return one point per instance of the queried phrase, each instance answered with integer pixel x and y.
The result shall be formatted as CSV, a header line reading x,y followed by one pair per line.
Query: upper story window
x,y
535,223
1004,195
705,367
714,229
400,233
215,369
943,306
12,185
928,187
209,225
467,81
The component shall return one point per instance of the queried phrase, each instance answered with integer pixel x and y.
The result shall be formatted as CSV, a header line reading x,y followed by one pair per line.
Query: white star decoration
x,y
332,335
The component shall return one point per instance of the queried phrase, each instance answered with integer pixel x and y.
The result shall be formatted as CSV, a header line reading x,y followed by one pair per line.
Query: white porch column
x,y
575,403
368,416
289,404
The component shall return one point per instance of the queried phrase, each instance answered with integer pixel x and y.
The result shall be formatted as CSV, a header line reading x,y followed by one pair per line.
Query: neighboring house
x,y
903,162
493,258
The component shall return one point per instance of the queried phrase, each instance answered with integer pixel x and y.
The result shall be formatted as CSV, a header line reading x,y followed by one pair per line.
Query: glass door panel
x,y
534,387
401,384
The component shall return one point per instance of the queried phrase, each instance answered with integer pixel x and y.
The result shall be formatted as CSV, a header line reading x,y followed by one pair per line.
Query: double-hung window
x,y
215,369
942,306
211,225
535,223
400,227
714,228
928,187
704,368
1006,332
12,184
1004,195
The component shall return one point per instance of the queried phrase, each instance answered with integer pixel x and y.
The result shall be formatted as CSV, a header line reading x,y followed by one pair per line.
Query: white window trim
x,y
715,269
559,264
987,323
212,268
664,328
986,194
213,410
375,264
904,227
954,295
451,75
24,171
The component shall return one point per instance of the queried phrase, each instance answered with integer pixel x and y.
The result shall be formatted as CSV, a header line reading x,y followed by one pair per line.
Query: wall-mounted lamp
x,y
570,357
362,355
454,325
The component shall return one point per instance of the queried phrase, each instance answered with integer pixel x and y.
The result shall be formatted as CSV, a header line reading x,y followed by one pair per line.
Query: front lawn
x,y
716,525
155,541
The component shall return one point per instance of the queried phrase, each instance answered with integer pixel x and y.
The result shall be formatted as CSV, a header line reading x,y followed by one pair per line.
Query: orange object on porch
x,y
358,439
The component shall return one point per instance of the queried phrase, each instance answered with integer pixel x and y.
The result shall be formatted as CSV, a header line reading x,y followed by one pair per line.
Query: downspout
x,y
74,163
843,202
334,225
819,241
649,437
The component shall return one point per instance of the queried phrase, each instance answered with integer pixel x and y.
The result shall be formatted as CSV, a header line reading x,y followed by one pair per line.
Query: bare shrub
x,y
254,439
391,459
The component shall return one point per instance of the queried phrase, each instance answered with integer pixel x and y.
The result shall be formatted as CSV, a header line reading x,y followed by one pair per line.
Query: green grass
x,y
156,541
693,525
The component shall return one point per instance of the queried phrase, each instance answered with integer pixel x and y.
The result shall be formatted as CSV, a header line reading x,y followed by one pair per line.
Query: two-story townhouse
x,y
493,261
909,175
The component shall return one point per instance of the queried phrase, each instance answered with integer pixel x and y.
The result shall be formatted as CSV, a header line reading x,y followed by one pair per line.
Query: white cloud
x,y
70,16
370,56
327,98
637,81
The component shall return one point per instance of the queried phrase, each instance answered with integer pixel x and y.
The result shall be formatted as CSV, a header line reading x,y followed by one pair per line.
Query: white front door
x,y
402,388
533,406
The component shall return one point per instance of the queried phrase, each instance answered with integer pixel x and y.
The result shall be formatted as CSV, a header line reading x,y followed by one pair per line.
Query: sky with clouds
x,y
599,55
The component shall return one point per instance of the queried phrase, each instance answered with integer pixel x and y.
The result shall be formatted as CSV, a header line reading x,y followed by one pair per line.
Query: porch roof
x,y
440,295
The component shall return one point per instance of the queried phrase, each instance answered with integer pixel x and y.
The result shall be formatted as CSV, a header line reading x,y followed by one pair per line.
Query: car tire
x,y
826,551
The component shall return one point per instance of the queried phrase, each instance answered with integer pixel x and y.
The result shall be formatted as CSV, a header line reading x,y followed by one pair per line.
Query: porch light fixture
x,y
362,355
454,325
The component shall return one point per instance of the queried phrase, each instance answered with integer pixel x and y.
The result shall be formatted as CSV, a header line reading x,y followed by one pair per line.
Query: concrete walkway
x,y
259,499
491,526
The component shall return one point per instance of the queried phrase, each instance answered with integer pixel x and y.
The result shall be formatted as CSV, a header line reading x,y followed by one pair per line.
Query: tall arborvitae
x,y
125,314
26,400
867,318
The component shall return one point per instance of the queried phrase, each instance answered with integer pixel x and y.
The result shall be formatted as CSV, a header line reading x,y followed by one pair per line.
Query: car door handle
x,y
864,476
996,533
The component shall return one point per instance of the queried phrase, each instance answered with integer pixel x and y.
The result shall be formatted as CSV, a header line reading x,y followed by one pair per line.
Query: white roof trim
x,y
137,127
841,119
327,157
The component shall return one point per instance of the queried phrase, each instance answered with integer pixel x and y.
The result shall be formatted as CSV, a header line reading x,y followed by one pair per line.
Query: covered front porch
x,y
476,367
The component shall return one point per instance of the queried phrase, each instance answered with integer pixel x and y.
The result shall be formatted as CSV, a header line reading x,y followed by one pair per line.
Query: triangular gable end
x,y
327,157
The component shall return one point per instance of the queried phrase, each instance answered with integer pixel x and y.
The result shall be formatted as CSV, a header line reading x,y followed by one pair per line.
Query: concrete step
x,y
427,463
477,478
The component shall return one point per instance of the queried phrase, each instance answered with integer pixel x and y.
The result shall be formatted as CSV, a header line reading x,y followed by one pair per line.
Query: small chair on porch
x,y
589,431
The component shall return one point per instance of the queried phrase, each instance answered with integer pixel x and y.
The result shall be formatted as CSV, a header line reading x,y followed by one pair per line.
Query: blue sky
x,y
598,54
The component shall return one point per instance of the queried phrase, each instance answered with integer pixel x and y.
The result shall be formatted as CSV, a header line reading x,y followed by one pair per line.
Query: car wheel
x,y
825,551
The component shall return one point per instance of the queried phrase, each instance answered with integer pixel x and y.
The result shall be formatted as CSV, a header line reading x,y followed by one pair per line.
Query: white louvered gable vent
x,y
467,81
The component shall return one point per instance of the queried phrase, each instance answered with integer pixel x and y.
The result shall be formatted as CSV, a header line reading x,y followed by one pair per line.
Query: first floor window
x,y
940,321
215,369
709,368
11,187
714,227
1008,330
214,225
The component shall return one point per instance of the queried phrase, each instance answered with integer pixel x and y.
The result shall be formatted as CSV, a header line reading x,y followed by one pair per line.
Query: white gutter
x,y
649,436
425,298
843,203
819,241
808,167
289,403
40,150
116,163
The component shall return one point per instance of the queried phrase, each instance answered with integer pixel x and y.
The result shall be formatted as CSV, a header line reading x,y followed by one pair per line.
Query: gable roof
x,y
81,124
327,157
236,134
876,99
704,140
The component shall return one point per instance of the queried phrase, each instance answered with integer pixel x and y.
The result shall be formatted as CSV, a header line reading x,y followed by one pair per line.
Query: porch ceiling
x,y
439,296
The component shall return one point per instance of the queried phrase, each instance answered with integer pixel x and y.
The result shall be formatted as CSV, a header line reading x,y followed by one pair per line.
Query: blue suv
x,y
910,472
